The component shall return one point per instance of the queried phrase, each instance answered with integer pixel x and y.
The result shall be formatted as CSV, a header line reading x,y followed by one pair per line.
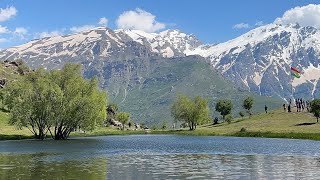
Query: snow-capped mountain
x,y
101,43
260,60
169,43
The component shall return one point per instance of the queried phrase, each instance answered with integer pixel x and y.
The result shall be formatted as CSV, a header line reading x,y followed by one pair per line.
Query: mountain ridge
x,y
258,61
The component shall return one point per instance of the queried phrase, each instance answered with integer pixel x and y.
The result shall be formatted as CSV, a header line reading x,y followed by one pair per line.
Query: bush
x,y
229,118
241,114
243,129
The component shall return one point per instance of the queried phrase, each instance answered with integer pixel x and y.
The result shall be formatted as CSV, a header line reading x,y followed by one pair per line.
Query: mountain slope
x,y
133,67
147,87
260,60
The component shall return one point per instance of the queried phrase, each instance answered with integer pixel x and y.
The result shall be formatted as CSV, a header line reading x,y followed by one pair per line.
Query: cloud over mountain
x,y
139,20
305,16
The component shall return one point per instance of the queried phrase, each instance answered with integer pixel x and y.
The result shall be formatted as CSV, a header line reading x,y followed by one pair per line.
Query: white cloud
x,y
3,29
7,13
81,28
21,31
140,20
103,21
259,23
241,26
3,40
49,34
305,16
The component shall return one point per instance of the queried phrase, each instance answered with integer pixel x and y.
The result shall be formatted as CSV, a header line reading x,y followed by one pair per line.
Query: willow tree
x,y
191,112
32,101
57,101
82,105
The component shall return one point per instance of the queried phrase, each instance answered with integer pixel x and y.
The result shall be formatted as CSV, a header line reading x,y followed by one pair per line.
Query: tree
x,y
229,118
123,117
241,114
58,100
247,104
224,106
164,125
315,108
112,110
191,112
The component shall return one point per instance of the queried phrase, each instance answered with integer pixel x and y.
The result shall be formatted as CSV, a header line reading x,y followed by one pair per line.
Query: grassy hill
x,y
277,124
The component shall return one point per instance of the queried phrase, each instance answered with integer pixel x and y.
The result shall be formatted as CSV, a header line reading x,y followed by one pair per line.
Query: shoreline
x,y
291,135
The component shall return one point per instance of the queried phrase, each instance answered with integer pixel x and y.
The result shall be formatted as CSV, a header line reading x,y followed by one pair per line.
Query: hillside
x,y
134,68
258,61
149,94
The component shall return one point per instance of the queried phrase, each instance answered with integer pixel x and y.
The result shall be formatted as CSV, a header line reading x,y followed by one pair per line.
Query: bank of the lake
x,y
276,124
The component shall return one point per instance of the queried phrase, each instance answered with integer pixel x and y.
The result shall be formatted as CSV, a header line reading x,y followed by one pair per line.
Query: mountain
x,y
147,87
142,72
260,60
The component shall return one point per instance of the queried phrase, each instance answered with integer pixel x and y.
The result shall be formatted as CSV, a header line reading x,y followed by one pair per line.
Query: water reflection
x,y
40,166
203,166
160,157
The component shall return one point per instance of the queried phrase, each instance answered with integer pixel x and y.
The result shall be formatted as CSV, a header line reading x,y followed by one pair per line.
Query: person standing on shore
x,y
266,108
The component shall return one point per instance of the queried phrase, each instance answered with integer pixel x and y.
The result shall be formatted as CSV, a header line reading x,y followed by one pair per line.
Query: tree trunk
x,y
317,119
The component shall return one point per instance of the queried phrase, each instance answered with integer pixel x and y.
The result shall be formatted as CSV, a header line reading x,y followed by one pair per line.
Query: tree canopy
x,y
191,112
57,101
315,108
124,118
224,106
247,104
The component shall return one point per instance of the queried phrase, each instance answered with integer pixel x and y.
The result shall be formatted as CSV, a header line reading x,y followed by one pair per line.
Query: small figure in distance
x,y
215,121
289,108
284,107
266,108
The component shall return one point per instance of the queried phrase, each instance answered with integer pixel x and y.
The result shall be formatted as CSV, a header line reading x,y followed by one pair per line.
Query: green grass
x,y
276,124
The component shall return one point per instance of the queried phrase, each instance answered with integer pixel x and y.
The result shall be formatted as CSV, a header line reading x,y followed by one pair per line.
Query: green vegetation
x,y
247,104
57,101
315,108
190,112
241,114
276,124
224,106
124,118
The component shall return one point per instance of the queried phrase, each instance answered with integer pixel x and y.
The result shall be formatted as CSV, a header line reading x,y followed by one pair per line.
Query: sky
x,y
212,21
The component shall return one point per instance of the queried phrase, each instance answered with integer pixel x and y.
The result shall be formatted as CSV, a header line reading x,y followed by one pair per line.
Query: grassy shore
x,y
276,124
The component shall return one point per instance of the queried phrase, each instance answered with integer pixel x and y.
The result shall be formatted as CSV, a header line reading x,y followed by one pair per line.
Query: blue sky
x,y
212,21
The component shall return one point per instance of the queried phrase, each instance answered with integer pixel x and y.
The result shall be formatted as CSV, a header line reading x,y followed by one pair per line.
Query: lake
x,y
160,157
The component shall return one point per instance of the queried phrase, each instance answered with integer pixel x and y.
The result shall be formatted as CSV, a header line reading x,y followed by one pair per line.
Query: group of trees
x,y
196,112
56,101
192,112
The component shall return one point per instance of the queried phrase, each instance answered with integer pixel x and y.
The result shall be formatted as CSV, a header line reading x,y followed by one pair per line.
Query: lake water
x,y
160,157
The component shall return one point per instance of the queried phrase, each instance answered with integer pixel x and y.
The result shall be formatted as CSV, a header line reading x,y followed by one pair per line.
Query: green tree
x,y
58,101
315,108
247,104
229,118
224,106
241,114
32,102
123,117
191,112
112,110
164,125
